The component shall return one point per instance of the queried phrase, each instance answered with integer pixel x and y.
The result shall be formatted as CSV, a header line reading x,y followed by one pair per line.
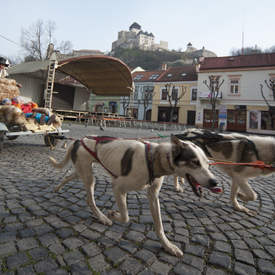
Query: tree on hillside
x,y
125,100
270,115
147,95
251,50
173,96
214,87
37,41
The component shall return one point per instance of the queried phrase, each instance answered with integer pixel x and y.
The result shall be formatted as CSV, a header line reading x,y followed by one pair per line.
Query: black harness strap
x,y
213,136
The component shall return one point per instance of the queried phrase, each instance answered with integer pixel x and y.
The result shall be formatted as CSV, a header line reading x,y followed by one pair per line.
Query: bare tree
x,y
271,86
214,87
125,103
172,94
147,96
36,39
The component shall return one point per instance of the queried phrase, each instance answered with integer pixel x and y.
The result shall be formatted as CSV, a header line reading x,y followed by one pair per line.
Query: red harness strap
x,y
255,164
94,154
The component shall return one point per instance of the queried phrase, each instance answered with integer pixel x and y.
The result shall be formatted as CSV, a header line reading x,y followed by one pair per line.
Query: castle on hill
x,y
135,37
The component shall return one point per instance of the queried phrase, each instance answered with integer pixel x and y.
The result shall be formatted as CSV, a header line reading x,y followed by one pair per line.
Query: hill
x,y
152,60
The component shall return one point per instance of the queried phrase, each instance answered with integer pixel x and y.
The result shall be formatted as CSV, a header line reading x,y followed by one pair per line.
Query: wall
x,y
185,104
249,92
81,98
32,88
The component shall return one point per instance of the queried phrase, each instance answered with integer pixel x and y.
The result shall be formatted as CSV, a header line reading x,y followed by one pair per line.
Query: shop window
x,y
267,120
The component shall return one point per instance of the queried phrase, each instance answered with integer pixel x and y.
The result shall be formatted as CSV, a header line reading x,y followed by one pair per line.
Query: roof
x,y
135,25
146,76
29,67
103,74
240,61
172,74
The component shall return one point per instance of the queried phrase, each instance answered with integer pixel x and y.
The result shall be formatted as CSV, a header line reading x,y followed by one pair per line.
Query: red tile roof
x,y
240,61
146,75
172,74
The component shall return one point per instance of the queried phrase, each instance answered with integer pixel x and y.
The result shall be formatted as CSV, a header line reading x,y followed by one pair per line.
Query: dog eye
x,y
196,162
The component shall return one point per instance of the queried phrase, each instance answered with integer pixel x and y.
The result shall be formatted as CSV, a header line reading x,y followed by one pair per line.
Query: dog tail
x,y
64,162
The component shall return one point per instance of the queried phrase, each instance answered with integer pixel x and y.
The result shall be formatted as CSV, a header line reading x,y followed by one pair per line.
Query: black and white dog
x,y
239,149
135,165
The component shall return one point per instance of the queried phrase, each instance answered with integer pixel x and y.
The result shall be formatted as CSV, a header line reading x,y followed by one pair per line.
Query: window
x,y
267,120
194,94
174,94
153,76
234,86
164,94
139,76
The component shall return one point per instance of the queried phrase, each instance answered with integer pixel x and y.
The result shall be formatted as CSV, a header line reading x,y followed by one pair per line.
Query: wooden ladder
x,y
49,86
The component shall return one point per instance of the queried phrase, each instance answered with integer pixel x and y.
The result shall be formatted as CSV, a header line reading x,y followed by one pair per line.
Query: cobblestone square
x,y
44,232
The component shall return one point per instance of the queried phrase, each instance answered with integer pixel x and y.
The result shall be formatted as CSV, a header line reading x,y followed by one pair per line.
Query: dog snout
x,y
213,182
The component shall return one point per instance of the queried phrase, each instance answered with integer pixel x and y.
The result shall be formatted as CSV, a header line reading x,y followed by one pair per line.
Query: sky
x,y
218,25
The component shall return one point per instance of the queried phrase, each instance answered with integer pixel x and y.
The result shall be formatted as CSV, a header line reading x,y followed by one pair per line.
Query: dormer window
x,y
139,76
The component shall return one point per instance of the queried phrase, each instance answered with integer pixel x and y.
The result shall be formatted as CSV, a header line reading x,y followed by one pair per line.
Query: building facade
x,y
240,104
180,79
143,93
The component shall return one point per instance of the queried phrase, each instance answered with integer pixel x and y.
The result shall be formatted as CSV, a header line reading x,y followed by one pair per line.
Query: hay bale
x,y
8,88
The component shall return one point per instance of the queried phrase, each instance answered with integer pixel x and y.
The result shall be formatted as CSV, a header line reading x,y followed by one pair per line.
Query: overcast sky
x,y
218,25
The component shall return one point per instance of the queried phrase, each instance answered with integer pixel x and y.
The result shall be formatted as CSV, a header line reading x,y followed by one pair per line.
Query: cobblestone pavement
x,y
43,232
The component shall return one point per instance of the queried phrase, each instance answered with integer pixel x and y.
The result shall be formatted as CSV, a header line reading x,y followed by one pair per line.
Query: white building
x,y
240,105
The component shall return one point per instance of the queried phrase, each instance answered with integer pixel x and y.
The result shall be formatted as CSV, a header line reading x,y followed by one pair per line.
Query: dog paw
x,y
174,250
56,189
106,221
179,189
246,210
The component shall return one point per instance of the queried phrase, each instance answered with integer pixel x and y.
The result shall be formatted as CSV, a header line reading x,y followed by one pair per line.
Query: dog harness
x,y
212,136
149,162
94,154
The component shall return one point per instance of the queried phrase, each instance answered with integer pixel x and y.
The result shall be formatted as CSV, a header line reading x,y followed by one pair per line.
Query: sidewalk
x,y
43,232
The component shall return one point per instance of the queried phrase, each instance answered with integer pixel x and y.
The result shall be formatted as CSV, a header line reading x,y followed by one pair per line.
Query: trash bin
x,y
221,127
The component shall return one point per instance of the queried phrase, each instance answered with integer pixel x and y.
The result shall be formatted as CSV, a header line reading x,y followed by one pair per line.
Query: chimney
x,y
255,51
164,66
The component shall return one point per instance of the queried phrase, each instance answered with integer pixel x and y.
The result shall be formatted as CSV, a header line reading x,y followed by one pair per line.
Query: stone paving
x,y
43,232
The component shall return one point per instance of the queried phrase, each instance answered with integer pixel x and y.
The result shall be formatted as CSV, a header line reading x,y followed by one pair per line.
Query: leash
x,y
256,164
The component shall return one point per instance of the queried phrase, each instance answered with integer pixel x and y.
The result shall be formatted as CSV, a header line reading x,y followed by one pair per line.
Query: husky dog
x,y
235,148
135,165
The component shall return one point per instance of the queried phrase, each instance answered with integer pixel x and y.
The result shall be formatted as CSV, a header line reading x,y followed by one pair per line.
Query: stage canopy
x,y
104,75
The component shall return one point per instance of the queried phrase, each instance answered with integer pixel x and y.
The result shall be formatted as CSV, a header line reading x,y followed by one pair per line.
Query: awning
x,y
104,75
29,67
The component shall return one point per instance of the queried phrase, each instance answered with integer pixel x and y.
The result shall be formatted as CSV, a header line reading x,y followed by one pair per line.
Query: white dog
x,y
239,149
135,165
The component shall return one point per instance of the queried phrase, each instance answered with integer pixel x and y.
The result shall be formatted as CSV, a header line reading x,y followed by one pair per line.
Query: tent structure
x,y
104,75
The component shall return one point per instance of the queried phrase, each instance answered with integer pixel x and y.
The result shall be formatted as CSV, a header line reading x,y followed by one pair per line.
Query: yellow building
x,y
180,84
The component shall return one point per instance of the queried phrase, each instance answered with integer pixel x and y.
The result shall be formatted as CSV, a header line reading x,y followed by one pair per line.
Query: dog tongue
x,y
216,190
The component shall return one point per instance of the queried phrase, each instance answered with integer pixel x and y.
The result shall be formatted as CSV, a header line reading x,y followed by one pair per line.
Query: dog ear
x,y
176,141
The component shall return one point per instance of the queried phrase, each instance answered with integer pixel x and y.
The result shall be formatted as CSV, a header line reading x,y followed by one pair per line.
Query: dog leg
x,y
249,194
152,196
67,179
88,180
177,186
122,215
